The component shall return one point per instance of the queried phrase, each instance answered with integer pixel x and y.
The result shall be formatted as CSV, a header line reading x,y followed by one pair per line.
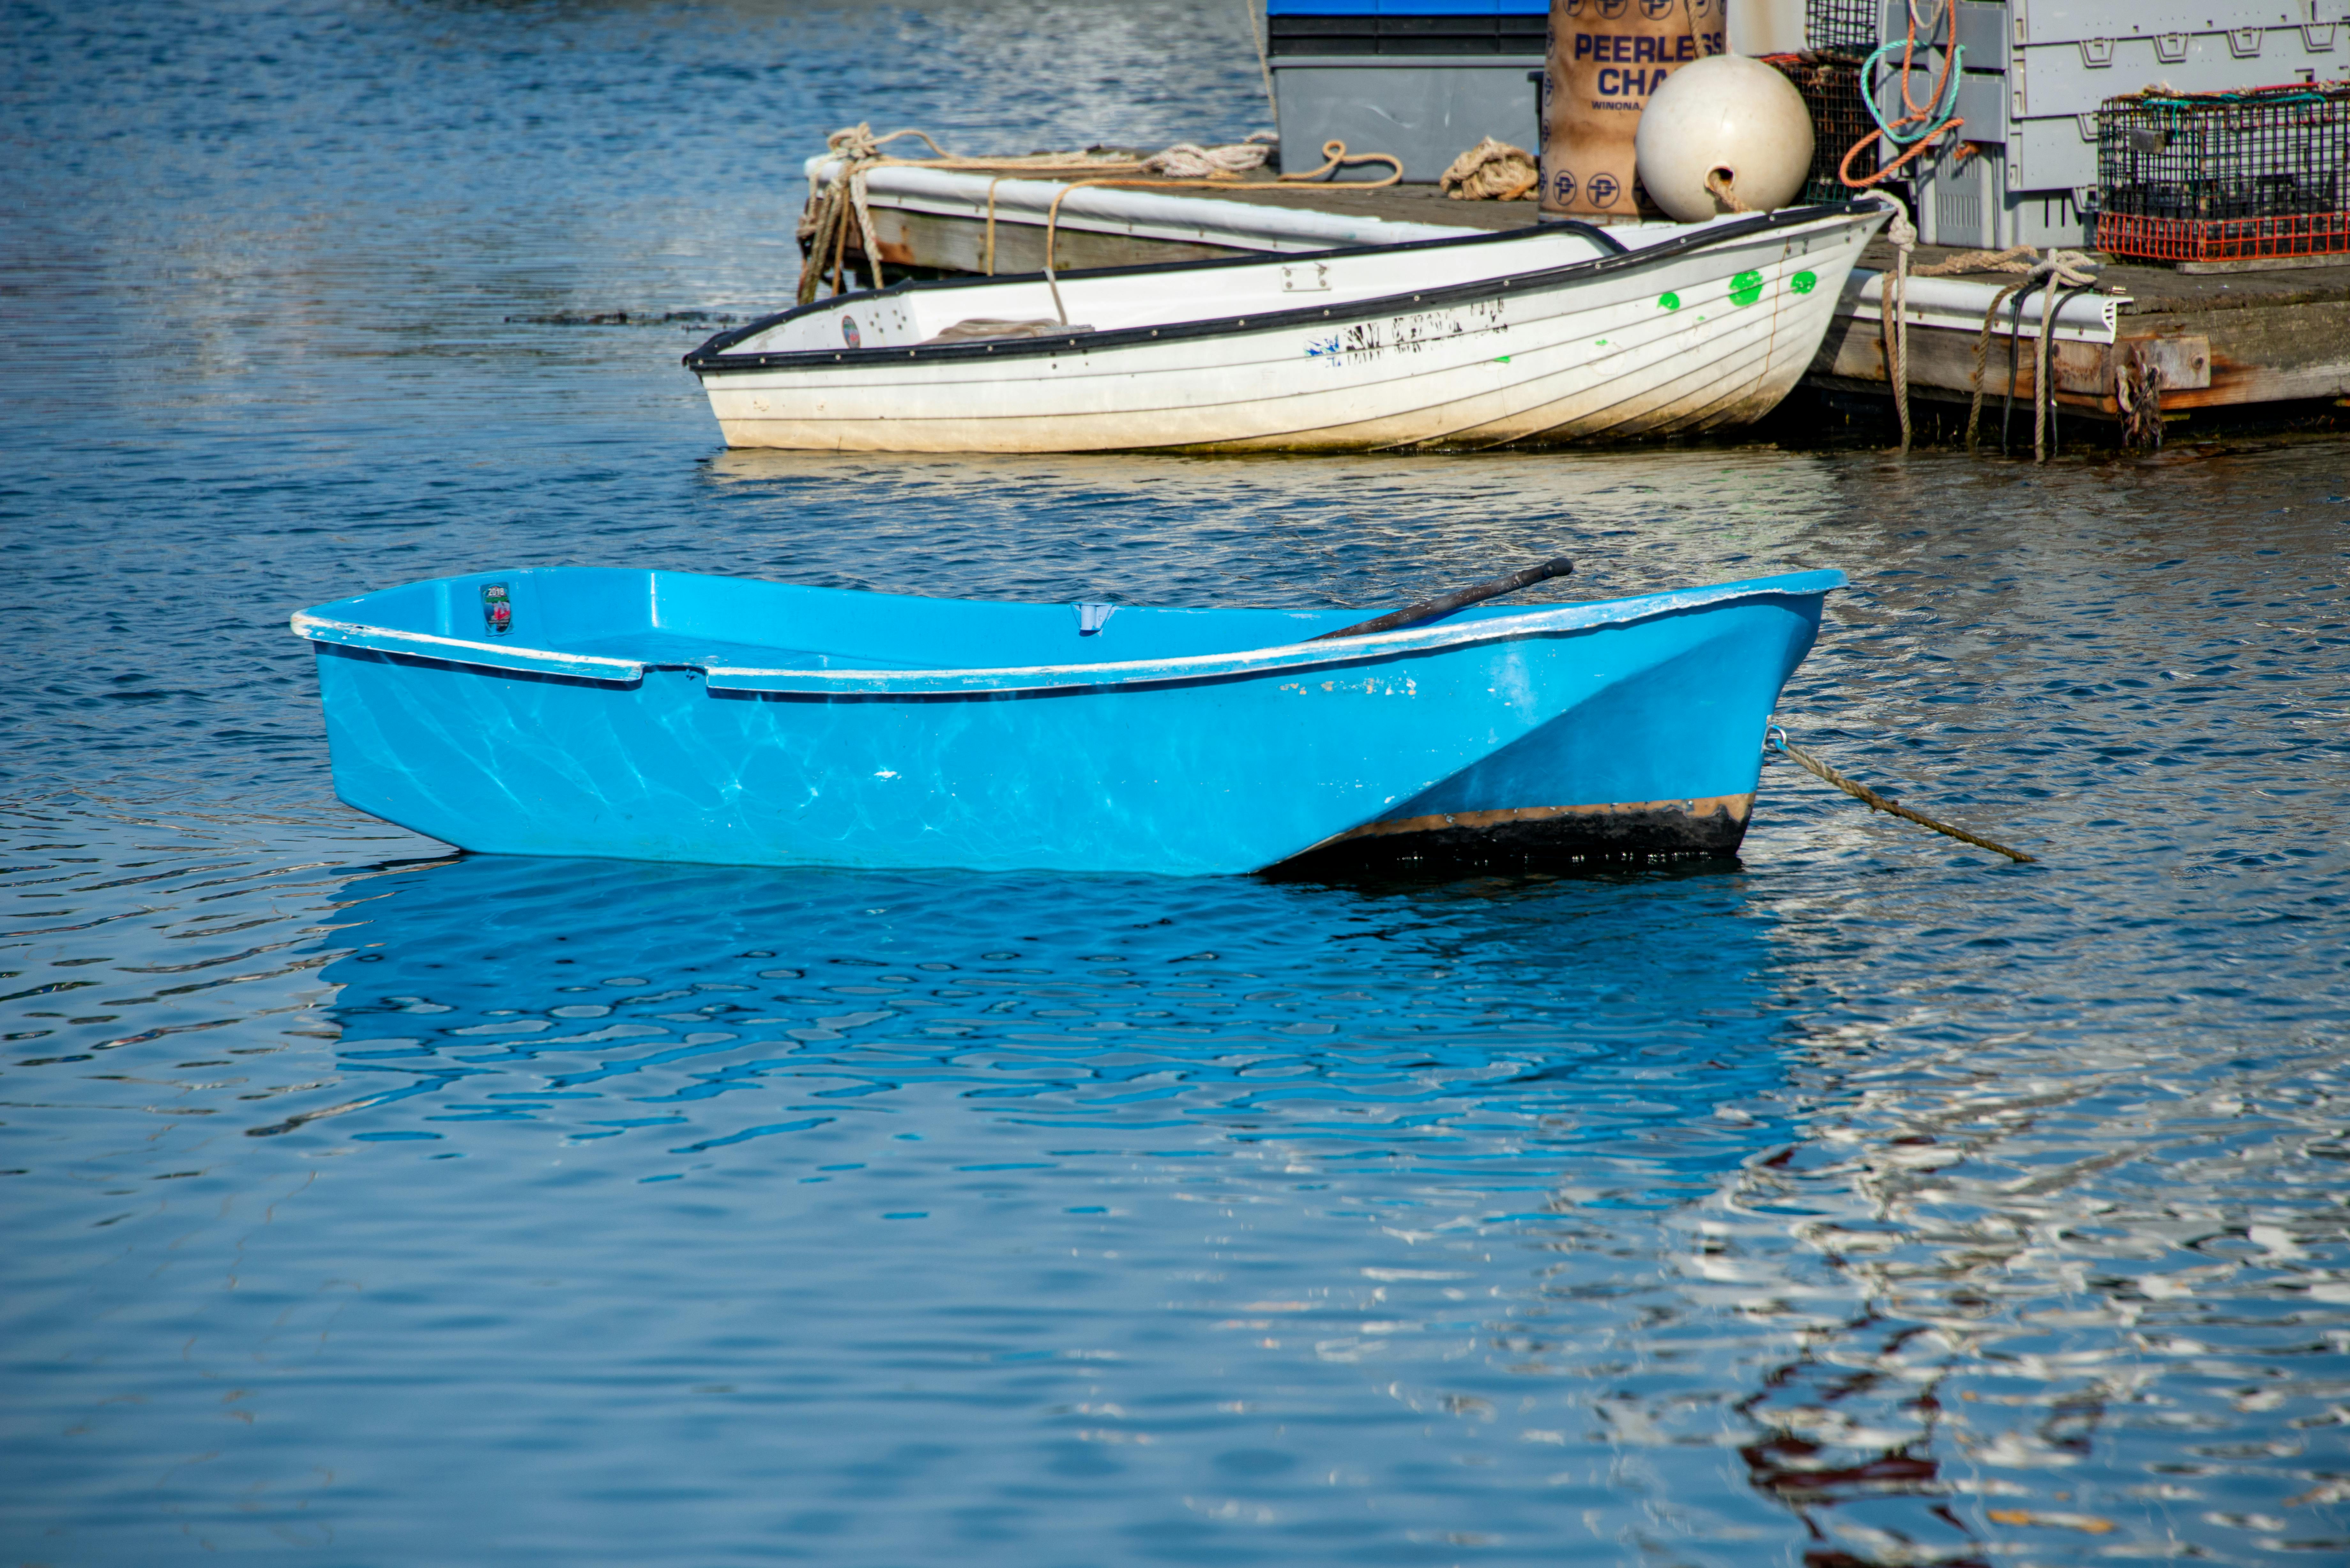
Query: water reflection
x,y
1530,1211
1225,531
688,1010
1974,1303
2090,1302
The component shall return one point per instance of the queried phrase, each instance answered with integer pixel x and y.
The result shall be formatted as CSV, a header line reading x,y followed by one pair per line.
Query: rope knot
x,y
2073,269
856,142
1900,230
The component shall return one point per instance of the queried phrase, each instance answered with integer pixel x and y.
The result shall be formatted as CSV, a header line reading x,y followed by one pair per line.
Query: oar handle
x,y
1459,599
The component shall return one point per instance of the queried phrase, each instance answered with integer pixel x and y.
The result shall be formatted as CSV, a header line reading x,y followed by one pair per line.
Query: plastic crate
x,y
2235,176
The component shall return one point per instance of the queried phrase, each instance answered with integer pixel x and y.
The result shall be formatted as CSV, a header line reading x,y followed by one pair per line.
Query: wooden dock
x,y
2262,347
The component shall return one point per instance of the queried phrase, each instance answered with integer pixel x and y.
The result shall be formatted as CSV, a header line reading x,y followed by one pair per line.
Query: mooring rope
x,y
1982,353
2014,339
1264,58
1775,739
2043,373
2058,266
1893,306
864,235
1723,184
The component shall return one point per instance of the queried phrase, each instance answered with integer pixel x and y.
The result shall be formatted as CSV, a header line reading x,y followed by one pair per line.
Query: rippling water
x,y
1866,1202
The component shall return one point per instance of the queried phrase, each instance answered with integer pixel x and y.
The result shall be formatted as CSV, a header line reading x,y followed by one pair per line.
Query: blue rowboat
x,y
665,716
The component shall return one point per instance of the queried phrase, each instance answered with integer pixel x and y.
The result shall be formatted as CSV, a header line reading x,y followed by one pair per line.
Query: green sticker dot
x,y
1670,301
1803,282
1746,288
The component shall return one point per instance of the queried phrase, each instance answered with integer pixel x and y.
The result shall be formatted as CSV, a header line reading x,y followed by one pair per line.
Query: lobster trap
x,y
1829,82
2235,176
1841,25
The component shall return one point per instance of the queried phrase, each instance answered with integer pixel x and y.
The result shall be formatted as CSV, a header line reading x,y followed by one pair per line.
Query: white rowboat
x,y
1556,333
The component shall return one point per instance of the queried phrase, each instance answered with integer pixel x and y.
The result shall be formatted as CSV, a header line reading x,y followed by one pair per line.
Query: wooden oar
x,y
1459,599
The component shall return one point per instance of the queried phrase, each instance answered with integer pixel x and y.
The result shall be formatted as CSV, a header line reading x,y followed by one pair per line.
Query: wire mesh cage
x,y
1841,25
1830,85
2225,176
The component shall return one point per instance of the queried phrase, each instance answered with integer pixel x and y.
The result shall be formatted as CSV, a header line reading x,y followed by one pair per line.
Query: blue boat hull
x,y
665,717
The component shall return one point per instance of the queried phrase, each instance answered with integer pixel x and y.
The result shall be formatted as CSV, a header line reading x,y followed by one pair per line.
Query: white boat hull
x,y
1537,336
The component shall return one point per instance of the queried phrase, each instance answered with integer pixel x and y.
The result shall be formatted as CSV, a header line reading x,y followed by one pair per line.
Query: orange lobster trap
x,y
2217,177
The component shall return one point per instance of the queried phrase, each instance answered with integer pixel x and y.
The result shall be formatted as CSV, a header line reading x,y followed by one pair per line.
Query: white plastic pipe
x,y
1148,214
1958,305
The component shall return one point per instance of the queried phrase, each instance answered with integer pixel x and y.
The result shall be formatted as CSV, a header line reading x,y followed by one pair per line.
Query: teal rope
x,y
2193,100
1943,112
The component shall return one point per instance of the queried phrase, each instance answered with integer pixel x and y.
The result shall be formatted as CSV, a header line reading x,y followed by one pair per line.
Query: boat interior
x,y
914,315
682,619
917,315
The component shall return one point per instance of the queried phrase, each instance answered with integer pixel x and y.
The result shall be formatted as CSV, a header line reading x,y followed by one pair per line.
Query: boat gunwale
x,y
713,358
334,633
1038,679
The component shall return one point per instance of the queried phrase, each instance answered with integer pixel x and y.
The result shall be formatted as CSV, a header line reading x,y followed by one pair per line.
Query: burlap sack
x,y
1606,58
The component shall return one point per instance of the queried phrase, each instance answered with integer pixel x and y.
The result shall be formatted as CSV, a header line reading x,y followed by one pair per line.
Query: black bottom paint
x,y
1567,840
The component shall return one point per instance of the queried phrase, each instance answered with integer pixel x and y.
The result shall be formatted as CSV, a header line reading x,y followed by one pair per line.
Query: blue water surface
x,y
1865,1201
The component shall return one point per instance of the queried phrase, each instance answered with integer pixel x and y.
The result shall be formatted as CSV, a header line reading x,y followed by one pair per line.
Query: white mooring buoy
x,y
1725,134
